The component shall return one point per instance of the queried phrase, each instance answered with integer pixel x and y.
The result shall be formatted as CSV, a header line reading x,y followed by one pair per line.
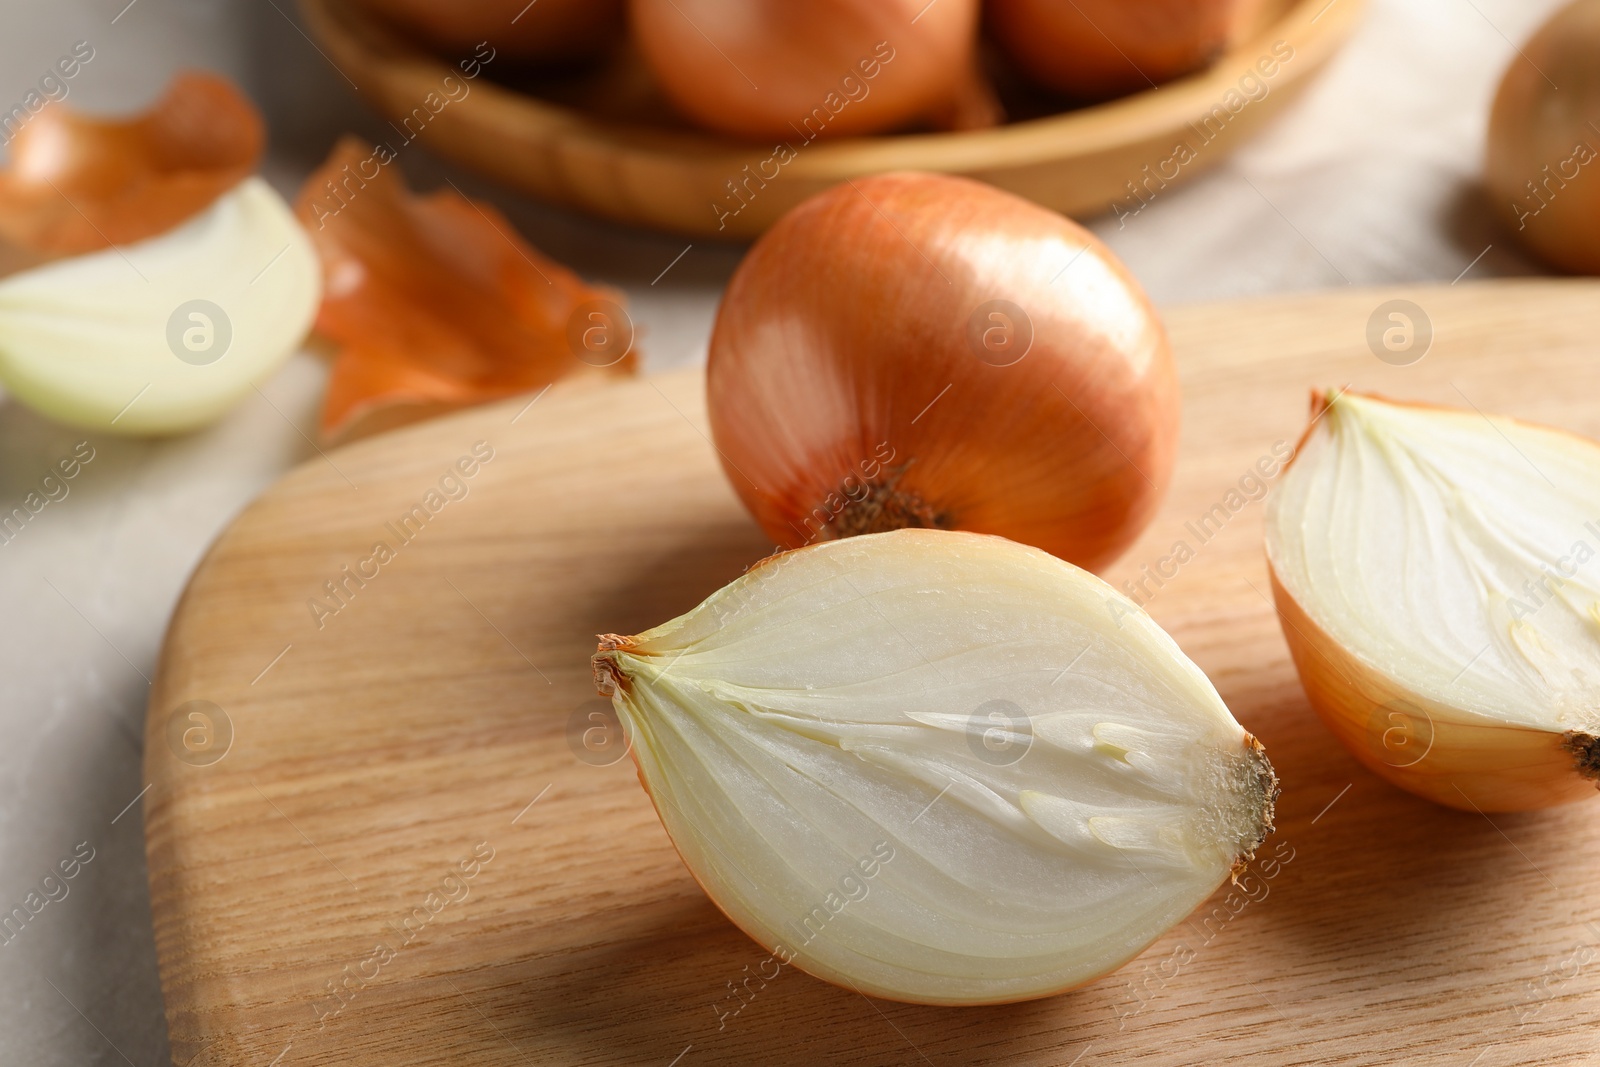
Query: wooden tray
x,y
442,710
609,146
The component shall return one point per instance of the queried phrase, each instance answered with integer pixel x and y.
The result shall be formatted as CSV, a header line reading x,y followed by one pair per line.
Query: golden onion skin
x,y
1423,746
1543,166
846,338
1094,49
759,68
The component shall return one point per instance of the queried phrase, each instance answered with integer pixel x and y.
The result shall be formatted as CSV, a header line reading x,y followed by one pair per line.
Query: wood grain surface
x,y
609,145
396,834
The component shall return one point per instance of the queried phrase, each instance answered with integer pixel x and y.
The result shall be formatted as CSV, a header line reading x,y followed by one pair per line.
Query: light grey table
x,y
1367,179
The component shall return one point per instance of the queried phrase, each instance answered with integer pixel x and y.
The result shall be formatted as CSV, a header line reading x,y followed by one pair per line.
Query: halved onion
x,y
1435,574
938,767
165,334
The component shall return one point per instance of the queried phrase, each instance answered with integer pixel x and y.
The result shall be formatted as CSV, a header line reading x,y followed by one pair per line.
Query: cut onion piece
x,y
937,766
166,334
1436,577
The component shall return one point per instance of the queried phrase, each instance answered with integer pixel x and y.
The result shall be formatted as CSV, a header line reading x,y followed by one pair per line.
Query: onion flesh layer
x,y
1437,574
110,340
1045,791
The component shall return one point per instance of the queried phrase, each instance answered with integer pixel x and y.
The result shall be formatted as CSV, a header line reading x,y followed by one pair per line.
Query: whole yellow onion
x,y
1095,49
546,31
828,68
1543,170
922,350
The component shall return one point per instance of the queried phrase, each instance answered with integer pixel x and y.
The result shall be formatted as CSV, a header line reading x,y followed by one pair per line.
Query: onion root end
x,y
1264,784
1585,748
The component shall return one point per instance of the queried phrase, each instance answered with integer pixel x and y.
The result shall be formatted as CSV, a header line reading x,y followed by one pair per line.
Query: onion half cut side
x,y
1435,572
166,334
937,766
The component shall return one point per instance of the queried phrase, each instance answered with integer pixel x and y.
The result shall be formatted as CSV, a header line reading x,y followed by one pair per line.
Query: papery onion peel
x,y
77,184
435,302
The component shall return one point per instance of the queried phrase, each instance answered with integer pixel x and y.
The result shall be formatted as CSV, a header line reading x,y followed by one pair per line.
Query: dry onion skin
x,y
436,302
1543,170
928,351
77,184
830,68
549,31
1433,571
1095,49
932,766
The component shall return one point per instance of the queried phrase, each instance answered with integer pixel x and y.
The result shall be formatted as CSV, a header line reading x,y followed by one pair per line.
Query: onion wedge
x,y
1435,575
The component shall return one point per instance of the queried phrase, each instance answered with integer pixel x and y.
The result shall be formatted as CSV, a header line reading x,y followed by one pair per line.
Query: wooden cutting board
x,y
400,829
